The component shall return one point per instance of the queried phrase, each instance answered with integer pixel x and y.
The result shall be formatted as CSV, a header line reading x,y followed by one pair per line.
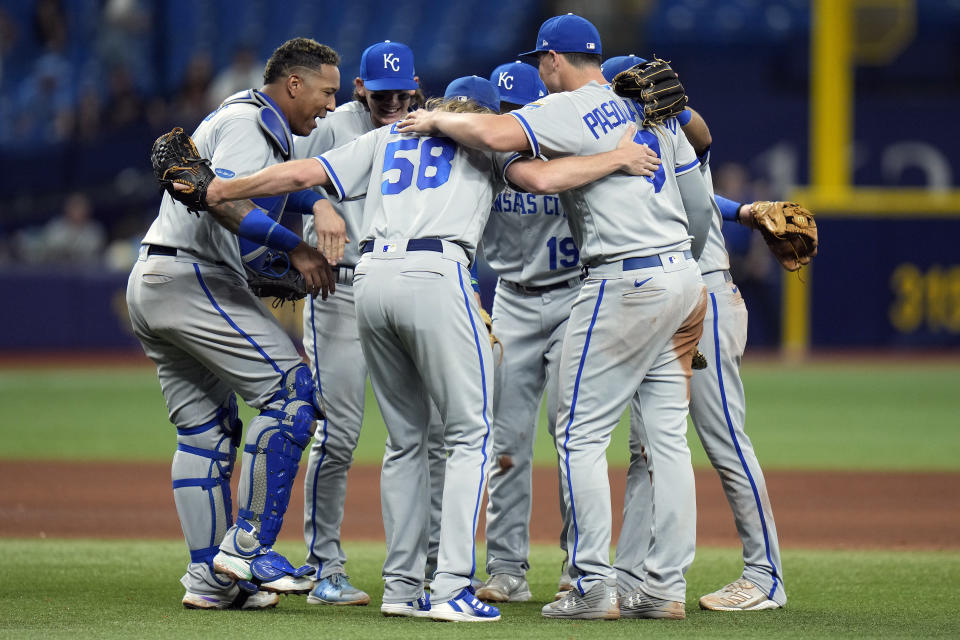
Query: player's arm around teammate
x,y
717,409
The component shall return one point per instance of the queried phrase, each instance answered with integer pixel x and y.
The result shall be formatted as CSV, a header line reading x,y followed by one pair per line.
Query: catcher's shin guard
x,y
201,472
274,445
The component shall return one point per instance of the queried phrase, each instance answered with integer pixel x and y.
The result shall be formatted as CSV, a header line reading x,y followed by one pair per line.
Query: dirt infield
x,y
842,510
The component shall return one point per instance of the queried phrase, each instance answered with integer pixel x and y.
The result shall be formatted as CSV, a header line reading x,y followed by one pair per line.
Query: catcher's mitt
x,y
494,340
655,85
789,230
271,275
176,160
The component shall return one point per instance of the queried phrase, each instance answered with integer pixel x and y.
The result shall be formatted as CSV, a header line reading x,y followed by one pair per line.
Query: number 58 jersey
x,y
417,187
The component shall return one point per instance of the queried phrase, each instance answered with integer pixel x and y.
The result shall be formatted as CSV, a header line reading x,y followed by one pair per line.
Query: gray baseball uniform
x,y
427,202
527,242
332,345
717,408
631,330
210,337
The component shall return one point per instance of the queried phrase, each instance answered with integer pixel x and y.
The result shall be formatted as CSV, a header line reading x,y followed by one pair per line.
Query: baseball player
x,y
717,408
635,324
384,91
427,202
211,338
528,243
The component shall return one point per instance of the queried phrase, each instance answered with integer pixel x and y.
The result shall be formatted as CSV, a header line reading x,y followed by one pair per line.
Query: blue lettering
x,y
604,123
498,203
629,107
591,122
551,205
610,110
531,203
518,203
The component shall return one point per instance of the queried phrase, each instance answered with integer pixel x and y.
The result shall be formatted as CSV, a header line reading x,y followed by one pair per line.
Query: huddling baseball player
x,y
210,336
528,244
634,326
427,202
383,93
717,408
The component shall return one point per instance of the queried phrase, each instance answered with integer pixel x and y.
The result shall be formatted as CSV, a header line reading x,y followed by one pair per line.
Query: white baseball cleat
x,y
504,588
270,570
739,595
419,608
225,600
464,607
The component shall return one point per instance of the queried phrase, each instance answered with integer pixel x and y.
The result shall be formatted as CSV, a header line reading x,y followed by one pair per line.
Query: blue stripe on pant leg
x,y
736,443
203,285
573,405
323,441
486,435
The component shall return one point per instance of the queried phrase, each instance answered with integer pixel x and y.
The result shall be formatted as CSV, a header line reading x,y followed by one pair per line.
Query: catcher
x,y
212,340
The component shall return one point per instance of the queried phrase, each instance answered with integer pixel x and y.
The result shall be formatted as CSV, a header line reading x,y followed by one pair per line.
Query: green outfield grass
x,y
120,589
874,415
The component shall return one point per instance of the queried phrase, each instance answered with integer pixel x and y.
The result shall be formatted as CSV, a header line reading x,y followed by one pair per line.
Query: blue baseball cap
x,y
567,34
475,88
616,64
518,83
387,66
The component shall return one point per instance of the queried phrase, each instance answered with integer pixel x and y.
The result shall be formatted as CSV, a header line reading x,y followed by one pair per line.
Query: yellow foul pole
x,y
831,109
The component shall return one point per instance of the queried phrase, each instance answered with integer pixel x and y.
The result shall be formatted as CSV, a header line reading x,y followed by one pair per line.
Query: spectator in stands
x,y
244,72
191,105
50,24
73,237
45,102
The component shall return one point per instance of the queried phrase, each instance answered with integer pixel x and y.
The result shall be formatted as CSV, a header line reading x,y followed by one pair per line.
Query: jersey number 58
x,y
434,164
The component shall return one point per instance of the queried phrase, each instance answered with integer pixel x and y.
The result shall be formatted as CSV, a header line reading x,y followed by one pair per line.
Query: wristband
x,y
303,201
685,117
258,227
728,208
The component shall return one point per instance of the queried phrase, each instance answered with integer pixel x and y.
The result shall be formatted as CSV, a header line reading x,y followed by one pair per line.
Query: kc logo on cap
x,y
519,83
388,66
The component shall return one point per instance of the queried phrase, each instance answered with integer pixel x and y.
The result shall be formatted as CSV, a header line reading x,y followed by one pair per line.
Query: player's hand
x,y
213,196
638,159
419,121
331,231
317,275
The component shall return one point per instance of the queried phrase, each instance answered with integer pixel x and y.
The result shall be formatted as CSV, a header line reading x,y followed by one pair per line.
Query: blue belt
x,y
650,261
414,244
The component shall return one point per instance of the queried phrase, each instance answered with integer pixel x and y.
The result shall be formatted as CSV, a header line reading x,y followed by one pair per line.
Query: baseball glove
x,y
176,161
788,229
656,86
271,275
494,340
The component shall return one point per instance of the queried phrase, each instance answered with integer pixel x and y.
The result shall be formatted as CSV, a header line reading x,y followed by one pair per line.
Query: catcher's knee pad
x,y
275,441
201,472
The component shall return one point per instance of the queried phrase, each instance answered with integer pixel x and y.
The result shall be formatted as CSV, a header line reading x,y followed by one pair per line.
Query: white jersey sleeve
x,y
546,124
349,166
237,147
686,159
